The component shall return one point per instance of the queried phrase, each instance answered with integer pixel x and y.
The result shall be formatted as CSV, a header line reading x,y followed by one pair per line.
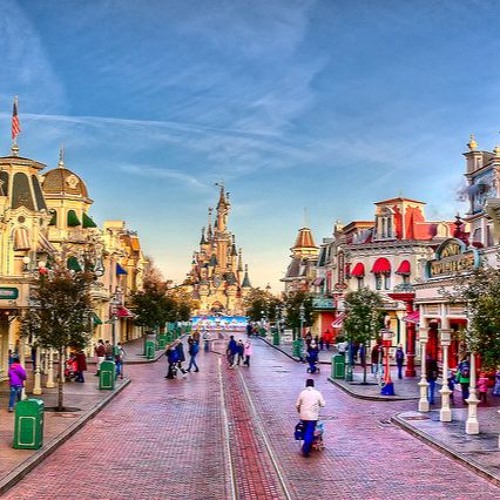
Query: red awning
x,y
381,266
404,268
413,317
358,270
123,312
338,321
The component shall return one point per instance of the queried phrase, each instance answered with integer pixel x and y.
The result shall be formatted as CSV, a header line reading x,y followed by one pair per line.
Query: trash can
x,y
161,341
28,429
276,337
107,375
338,366
297,349
150,349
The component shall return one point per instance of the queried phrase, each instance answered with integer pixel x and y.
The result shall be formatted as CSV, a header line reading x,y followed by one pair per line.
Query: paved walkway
x,y
147,423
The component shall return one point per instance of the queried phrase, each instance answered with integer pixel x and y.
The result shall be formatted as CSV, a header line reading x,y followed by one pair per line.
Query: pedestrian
x,y
193,350
179,347
377,355
81,365
321,343
231,351
451,385
119,360
308,404
463,378
100,353
249,329
400,359
496,388
17,376
431,375
312,357
328,336
362,354
108,350
240,352
172,358
206,340
247,352
482,387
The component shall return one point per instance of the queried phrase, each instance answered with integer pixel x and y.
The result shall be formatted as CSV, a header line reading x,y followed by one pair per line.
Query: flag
x,y
16,125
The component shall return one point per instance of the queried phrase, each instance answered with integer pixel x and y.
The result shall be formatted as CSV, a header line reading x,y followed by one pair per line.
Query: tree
x,y
293,301
479,290
364,317
260,302
61,315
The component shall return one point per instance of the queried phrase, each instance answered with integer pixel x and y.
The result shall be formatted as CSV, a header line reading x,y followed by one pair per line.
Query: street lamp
x,y
115,303
388,387
445,412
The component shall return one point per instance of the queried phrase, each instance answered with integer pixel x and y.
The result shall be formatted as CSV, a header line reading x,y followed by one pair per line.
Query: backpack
x,y
464,371
299,431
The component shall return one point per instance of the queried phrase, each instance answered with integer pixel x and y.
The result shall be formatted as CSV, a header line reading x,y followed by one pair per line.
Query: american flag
x,y
16,125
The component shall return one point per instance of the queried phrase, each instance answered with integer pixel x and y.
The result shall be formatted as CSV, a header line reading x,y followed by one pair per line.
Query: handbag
x,y
299,431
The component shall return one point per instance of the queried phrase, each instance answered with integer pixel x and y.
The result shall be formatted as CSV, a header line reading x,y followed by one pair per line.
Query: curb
x,y
29,464
368,397
469,463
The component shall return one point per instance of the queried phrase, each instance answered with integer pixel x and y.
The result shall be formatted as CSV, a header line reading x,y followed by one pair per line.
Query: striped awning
x,y
21,239
413,317
44,245
123,312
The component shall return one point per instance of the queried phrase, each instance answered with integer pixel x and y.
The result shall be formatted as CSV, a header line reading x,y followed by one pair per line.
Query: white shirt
x,y
308,404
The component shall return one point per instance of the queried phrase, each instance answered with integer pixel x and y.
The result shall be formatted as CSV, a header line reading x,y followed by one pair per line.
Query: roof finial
x,y
61,157
472,144
496,150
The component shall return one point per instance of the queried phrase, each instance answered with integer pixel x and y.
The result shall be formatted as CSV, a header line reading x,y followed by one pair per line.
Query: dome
x,y
61,181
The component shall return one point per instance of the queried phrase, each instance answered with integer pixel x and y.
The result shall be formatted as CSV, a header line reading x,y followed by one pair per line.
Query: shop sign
x,y
8,293
323,303
341,284
452,257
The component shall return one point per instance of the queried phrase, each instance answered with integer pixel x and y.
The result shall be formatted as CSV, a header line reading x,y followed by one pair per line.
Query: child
x,y
482,386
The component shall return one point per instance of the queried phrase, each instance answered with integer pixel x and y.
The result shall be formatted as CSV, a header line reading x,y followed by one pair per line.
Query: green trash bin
x,y
150,349
276,337
107,374
338,366
28,429
162,341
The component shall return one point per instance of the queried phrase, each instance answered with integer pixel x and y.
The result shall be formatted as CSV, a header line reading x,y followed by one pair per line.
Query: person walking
x,y
119,360
179,347
17,376
463,378
431,376
240,352
362,354
400,359
312,357
81,365
482,387
100,353
308,404
108,350
231,351
247,352
173,359
496,387
193,350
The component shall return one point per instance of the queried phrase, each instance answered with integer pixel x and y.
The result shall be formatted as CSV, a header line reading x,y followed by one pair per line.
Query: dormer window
x,y
385,225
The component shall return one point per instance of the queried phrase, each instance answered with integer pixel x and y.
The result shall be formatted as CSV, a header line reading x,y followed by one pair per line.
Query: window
x,y
361,282
378,281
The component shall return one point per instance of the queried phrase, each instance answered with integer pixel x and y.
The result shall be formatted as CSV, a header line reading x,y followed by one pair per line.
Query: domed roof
x,y
63,181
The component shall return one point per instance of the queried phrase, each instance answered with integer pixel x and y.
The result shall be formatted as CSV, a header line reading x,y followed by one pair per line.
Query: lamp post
x,y
445,412
388,387
115,302
276,337
423,402
472,424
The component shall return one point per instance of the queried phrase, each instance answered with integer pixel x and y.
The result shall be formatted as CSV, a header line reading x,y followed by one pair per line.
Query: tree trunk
x,y
60,394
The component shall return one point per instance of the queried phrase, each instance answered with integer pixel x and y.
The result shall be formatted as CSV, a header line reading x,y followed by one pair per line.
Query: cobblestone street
x,y
223,434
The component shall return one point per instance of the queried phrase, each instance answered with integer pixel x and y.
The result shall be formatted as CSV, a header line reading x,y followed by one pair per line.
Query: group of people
x,y
105,351
176,357
238,352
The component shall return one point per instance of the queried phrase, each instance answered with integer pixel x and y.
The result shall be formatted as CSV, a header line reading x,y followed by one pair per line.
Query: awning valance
x,y
318,281
96,320
413,317
358,271
73,264
381,266
21,239
123,312
120,270
338,321
404,268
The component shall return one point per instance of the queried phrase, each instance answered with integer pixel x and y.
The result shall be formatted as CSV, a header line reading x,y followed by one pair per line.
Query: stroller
x,y
318,443
312,359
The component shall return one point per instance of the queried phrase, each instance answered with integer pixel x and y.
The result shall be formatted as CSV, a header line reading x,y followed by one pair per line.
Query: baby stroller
x,y
318,443
313,361
70,369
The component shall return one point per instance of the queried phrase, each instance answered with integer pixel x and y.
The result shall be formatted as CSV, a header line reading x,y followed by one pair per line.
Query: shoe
x,y
306,455
11,410
197,370
188,370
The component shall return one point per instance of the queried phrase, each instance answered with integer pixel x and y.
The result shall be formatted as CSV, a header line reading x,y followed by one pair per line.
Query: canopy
x,y
381,266
413,317
404,268
358,270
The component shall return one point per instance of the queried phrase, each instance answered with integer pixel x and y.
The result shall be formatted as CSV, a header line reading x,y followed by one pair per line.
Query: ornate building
x,y
218,280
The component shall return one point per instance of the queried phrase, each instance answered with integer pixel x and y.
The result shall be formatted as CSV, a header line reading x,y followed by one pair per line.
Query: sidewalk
x,y
84,401
480,452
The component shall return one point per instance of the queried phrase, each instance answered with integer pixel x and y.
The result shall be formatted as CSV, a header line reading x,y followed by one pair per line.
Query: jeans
x,y
310,426
400,370
192,362
432,385
16,392
119,368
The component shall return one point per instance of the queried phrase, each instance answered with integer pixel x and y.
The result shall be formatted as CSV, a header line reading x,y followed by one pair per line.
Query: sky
x,y
309,111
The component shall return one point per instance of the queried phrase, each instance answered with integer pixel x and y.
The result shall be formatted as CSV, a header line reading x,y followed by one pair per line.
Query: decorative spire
x,y
496,150
61,157
240,260
246,280
203,241
472,144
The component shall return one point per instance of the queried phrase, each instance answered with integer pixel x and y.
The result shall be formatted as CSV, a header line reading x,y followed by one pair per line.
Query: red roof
x,y
381,266
404,268
358,270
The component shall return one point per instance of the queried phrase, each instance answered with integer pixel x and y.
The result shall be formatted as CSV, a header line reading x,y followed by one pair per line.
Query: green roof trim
x,y
87,221
74,265
73,219
96,320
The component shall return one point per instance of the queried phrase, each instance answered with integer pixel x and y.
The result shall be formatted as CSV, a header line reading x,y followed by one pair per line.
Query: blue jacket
x,y
232,347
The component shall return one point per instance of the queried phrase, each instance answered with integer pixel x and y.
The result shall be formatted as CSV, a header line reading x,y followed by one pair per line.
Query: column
x,y
22,359
37,382
423,402
445,412
410,345
472,424
50,370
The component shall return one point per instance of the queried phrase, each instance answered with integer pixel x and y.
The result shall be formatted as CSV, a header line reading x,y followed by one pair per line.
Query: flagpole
x,y
16,127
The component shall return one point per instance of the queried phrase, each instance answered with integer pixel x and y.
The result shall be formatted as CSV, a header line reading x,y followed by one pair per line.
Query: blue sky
x,y
320,107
